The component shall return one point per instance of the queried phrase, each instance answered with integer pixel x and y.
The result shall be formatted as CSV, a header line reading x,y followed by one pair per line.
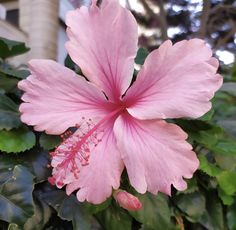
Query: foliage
x,y
28,200
213,20
9,48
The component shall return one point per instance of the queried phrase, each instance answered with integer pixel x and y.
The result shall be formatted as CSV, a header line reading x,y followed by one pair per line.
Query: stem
x,y
204,18
161,17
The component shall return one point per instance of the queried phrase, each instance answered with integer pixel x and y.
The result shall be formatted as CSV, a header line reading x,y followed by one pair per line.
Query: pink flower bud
x,y
127,200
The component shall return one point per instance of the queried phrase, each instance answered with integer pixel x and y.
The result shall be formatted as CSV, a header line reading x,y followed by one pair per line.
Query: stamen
x,y
75,150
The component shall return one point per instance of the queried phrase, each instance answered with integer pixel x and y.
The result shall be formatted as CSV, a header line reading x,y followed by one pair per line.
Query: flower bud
x,y
127,200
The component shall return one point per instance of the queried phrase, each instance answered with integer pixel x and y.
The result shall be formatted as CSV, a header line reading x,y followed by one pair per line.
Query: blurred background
x,y
41,24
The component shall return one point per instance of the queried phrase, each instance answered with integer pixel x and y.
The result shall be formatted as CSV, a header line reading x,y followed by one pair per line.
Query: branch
x,y
204,18
161,17
128,5
220,7
164,25
148,8
225,39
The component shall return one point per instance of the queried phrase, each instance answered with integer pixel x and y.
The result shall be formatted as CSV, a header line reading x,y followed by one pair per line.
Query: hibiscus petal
x,y
155,154
175,81
103,172
103,42
56,98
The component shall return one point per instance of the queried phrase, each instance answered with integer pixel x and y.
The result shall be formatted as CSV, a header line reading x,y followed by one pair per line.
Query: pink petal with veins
x,y
155,153
103,42
102,174
56,98
175,81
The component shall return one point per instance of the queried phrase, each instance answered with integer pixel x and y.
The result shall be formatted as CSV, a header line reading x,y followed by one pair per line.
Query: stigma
x,y
74,152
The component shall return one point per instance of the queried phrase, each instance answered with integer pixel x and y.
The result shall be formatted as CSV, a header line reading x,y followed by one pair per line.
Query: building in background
x,y
38,23
41,24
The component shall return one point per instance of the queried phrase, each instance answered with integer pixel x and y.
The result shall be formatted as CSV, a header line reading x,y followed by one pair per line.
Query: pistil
x,y
75,150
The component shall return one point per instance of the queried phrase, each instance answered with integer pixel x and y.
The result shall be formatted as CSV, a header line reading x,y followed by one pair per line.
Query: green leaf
x,y
42,214
9,48
114,218
226,199
35,160
68,208
231,214
3,225
227,182
9,115
225,162
210,136
8,84
225,146
6,167
208,116
155,213
17,73
213,219
80,218
16,140
196,126
224,105
192,186
192,204
93,209
208,167
16,196
49,141
52,196
141,56
69,63
13,226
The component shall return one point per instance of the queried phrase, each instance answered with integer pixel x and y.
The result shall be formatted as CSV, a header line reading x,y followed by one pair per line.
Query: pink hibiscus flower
x,y
119,125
